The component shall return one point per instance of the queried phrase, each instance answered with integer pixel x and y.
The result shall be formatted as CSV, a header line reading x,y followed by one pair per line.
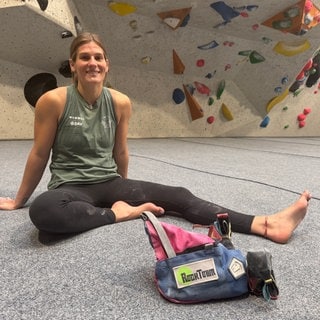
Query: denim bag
x,y
193,267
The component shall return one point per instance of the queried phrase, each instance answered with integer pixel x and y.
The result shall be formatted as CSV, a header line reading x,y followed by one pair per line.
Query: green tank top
x,y
82,152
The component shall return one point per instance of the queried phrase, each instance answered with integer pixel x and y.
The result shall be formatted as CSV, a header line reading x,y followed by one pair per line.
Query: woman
x,y
85,125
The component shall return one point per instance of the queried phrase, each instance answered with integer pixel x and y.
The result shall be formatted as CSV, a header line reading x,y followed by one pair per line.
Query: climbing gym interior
x,y
191,68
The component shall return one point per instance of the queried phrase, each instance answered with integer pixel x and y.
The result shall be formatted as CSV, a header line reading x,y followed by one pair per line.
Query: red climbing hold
x,y
210,119
302,124
202,88
306,111
200,63
301,117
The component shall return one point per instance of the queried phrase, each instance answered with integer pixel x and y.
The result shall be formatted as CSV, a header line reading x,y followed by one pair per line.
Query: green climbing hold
x,y
221,87
210,101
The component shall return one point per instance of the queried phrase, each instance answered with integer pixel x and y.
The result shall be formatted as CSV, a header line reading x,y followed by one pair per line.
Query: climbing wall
x,y
191,68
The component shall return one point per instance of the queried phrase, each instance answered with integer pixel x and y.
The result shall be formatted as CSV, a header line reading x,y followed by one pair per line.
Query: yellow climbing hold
x,y
276,100
292,48
226,112
121,8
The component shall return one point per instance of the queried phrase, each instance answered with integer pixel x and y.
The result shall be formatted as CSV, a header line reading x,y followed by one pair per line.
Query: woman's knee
x,y
43,210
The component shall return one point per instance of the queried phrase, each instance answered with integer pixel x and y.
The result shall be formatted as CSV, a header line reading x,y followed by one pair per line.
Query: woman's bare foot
x,y
279,227
123,211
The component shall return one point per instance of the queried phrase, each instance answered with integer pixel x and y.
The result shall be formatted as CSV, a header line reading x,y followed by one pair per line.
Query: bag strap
x,y
166,244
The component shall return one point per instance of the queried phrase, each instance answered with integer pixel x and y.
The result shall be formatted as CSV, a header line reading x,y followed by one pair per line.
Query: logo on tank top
x,y
76,121
106,122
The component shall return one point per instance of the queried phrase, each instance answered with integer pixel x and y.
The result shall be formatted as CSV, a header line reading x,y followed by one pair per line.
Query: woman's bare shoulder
x,y
54,96
118,96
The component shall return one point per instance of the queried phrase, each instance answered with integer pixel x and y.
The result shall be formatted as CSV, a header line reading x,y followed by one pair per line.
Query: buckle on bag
x,y
223,225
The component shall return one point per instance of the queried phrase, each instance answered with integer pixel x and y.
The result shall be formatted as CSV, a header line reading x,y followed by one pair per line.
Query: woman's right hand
x,y
8,204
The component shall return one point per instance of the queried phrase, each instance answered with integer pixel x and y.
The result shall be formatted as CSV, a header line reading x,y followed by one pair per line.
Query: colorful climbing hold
x,y
227,13
274,101
291,49
210,101
306,111
297,92
227,67
254,56
221,87
301,117
285,108
210,45
175,18
121,8
284,80
200,63
178,96
244,14
202,88
264,123
278,90
210,119
286,126
226,112
196,111
210,74
178,66
302,124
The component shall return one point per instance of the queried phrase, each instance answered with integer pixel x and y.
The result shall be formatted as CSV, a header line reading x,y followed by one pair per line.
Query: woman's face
x,y
91,65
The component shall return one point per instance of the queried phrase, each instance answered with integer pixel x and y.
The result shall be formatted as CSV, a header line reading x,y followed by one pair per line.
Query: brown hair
x,y
82,39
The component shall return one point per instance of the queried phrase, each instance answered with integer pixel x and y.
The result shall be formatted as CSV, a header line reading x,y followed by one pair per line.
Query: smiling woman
x,y
88,55
85,127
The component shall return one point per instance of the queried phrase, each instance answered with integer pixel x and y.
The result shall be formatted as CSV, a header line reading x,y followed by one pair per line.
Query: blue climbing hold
x,y
264,123
178,96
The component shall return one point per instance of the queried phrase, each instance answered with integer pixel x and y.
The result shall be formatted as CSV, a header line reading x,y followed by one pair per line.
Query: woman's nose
x,y
92,60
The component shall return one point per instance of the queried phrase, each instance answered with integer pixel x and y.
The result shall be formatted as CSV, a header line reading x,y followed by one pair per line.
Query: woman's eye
x,y
99,58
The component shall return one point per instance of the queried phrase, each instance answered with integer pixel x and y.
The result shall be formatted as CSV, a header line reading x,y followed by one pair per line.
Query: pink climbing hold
x,y
301,117
200,63
210,119
244,14
302,124
202,88
255,27
306,111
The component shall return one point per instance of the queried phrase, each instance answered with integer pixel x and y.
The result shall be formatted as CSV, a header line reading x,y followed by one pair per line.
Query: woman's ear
x,y
71,63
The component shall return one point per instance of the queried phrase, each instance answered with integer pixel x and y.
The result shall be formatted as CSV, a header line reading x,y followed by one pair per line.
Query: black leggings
x,y
77,208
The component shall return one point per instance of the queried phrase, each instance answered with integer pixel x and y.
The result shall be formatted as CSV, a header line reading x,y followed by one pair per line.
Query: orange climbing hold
x,y
178,66
174,18
194,107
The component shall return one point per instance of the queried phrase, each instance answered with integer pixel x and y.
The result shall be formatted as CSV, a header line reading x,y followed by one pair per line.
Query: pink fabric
x,y
180,239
